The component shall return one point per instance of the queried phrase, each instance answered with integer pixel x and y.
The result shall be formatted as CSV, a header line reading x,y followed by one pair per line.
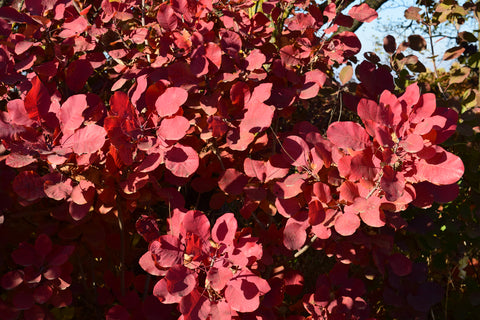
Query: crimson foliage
x,y
129,119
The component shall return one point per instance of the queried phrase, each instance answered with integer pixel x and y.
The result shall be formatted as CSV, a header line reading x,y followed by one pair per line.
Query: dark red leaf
x,y
77,74
400,264
12,279
28,185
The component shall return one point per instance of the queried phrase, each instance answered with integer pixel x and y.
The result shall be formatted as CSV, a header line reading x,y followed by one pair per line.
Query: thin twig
x,y
122,248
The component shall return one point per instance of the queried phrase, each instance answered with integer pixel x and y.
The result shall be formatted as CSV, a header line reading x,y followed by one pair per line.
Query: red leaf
x,y
232,181
316,213
43,245
363,13
147,227
243,291
169,102
194,306
346,224
182,160
224,229
348,134
166,17
411,95
16,160
78,211
24,255
444,168
37,100
173,128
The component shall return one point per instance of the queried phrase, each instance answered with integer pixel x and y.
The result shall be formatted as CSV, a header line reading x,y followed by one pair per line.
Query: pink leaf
x,y
173,128
392,183
363,13
166,251
218,277
255,169
289,187
182,160
224,229
148,264
169,102
70,114
314,80
443,168
160,291
243,291
413,143
346,224
294,234
196,222
88,139
257,118
348,134
255,60
180,280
